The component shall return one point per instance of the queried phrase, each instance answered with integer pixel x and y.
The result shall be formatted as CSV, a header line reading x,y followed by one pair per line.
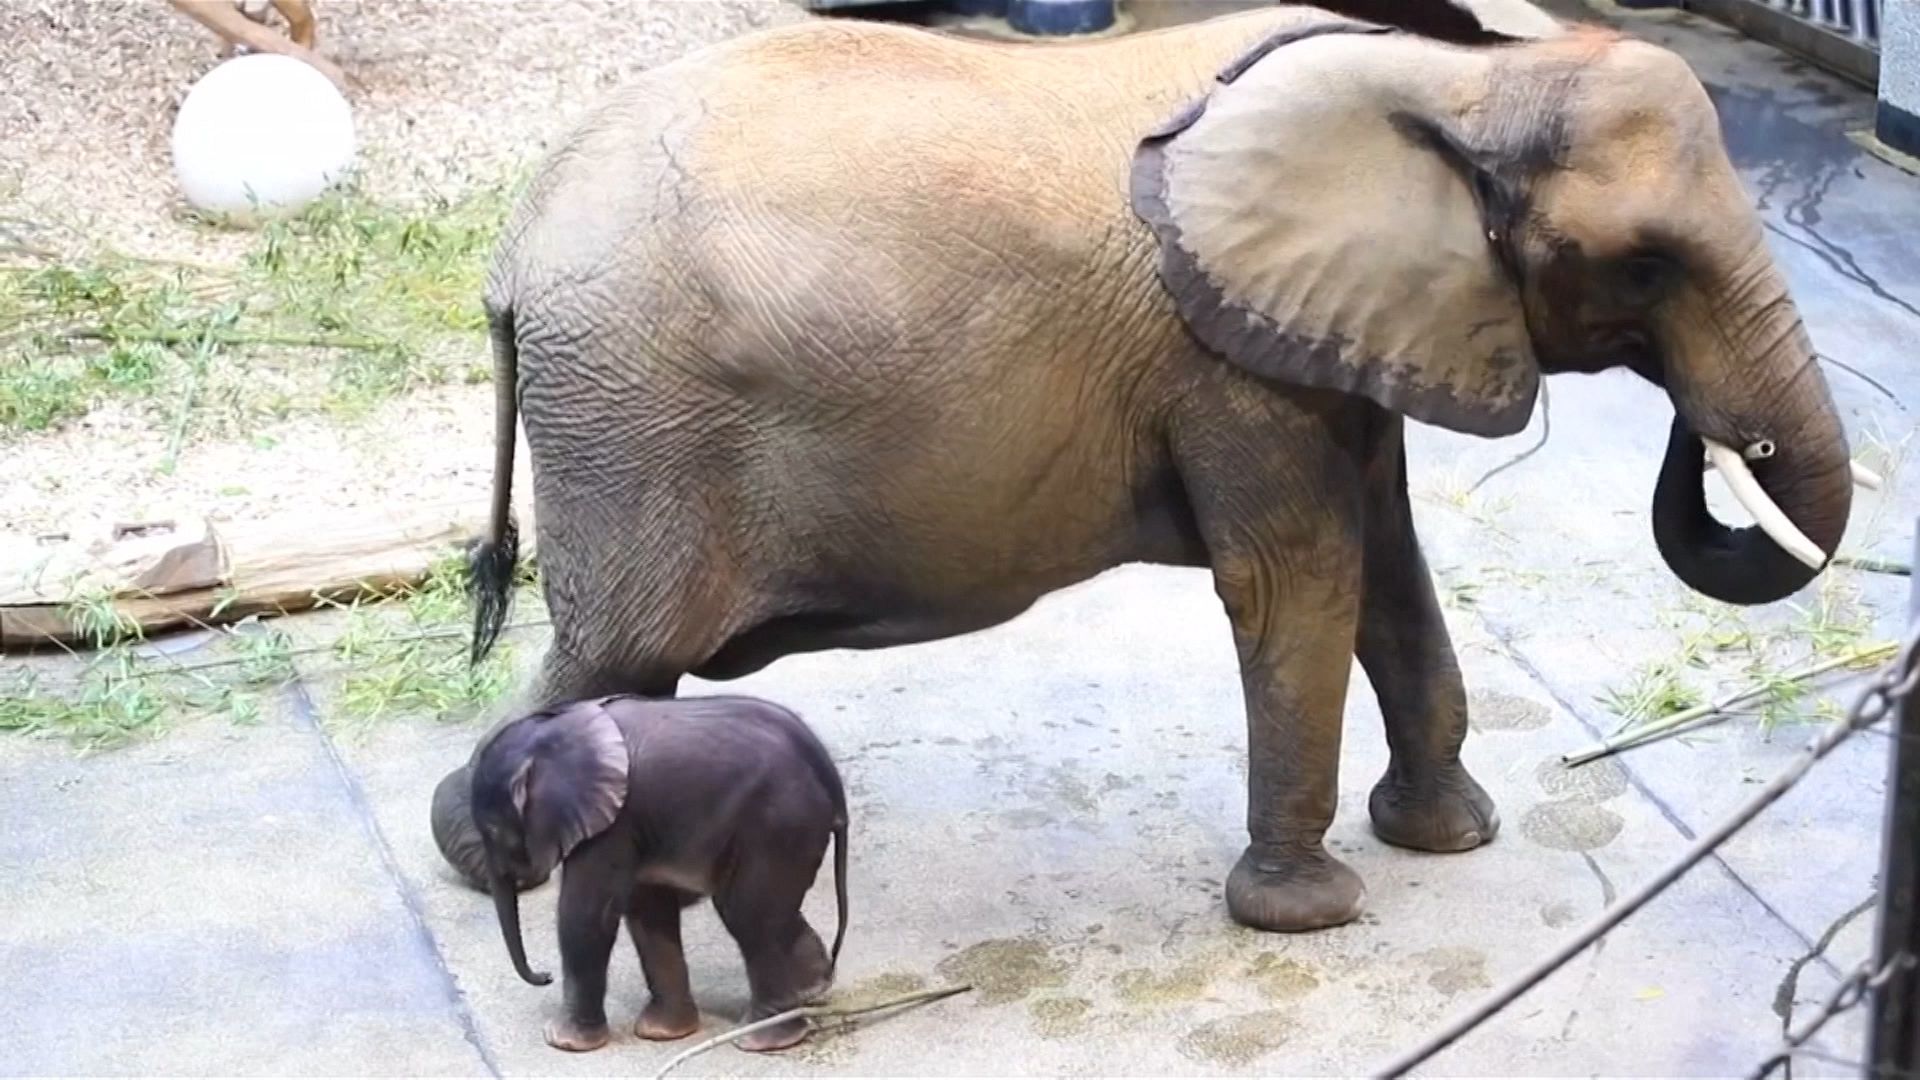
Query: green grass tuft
x,y
387,297
409,658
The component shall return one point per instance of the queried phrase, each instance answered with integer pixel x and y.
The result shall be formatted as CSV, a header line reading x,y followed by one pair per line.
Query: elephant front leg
x,y
1426,801
589,924
1294,638
653,918
1279,507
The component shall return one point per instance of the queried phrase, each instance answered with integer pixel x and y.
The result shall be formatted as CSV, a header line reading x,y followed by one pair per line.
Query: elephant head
x,y
542,785
1434,226
454,833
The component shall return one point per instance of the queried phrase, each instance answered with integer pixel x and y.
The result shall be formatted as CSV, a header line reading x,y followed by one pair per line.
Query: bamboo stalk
x,y
1716,708
1875,566
225,337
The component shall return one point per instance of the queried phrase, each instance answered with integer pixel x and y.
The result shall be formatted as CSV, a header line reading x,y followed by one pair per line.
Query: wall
x,y
1897,122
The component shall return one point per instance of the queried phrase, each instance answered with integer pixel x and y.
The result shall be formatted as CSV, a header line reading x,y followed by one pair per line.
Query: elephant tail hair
x,y
491,566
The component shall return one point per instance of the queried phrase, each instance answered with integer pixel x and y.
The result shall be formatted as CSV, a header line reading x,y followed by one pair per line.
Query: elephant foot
x,y
567,1035
662,1021
778,1037
1445,811
1300,889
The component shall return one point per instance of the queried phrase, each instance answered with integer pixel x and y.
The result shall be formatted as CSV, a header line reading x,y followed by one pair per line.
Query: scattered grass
x,y
1836,621
404,656
123,693
1717,650
1453,492
348,304
411,657
1461,595
1658,689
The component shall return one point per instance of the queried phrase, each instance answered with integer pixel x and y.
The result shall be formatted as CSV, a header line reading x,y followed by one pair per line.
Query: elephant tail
x,y
491,565
839,888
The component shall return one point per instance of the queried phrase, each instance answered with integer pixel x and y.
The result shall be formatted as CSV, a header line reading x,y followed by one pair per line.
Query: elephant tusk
x,y
1770,519
1862,476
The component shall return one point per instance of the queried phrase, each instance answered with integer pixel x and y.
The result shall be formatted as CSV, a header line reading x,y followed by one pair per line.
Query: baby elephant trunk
x,y
506,904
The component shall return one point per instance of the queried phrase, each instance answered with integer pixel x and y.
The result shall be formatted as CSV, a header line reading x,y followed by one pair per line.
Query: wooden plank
x,y
183,572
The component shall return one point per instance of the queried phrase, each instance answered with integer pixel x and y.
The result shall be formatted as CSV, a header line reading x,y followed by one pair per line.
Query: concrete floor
x,y
1049,808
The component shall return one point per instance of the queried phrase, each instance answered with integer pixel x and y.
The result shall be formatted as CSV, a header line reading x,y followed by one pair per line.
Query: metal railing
x,y
1842,36
1857,20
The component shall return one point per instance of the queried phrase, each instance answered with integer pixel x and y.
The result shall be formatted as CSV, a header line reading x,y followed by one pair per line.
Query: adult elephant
x,y
850,335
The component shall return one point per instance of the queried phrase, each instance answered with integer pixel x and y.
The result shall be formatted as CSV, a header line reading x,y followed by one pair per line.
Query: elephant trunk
x,y
506,904
1784,455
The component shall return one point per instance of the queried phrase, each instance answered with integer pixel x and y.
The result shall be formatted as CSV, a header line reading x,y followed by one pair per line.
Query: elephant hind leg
x,y
636,610
1427,801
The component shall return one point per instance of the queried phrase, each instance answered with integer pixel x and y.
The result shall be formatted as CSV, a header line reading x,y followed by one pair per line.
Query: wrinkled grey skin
x,y
650,806
850,336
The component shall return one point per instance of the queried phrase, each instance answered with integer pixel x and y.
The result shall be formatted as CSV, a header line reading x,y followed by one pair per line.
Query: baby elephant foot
x,y
664,1021
1444,810
567,1035
778,1037
1293,889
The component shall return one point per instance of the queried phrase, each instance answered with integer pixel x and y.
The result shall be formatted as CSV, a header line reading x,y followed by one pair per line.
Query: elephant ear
x,y
574,784
1315,228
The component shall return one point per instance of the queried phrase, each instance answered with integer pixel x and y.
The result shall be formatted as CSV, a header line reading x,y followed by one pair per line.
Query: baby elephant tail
x,y
839,887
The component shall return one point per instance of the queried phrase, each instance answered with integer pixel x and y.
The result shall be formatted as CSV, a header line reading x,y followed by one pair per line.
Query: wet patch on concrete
x,y
1454,971
1059,1017
1594,782
1238,1041
1571,825
1492,710
1145,987
872,991
1560,913
1280,978
1068,788
1029,817
1004,970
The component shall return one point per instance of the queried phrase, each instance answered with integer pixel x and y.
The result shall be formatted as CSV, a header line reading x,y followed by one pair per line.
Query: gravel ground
x,y
451,93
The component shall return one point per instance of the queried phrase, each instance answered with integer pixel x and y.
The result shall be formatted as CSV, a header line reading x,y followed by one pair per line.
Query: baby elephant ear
x,y
576,782
1314,230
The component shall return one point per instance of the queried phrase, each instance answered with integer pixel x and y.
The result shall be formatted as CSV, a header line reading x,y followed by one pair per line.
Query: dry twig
x,y
811,1012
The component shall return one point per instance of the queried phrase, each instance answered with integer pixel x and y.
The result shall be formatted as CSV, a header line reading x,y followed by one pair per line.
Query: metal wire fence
x,y
1888,982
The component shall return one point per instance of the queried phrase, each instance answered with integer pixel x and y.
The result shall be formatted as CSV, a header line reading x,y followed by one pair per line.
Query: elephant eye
x,y
1643,277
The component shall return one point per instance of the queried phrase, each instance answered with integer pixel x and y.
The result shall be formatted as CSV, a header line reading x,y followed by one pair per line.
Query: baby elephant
x,y
653,804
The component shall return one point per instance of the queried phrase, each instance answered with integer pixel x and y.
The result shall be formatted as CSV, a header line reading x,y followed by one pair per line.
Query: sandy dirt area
x,y
451,94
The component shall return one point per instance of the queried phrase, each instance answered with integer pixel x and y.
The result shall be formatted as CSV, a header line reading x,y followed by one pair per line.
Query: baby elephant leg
x,y
653,919
589,923
786,961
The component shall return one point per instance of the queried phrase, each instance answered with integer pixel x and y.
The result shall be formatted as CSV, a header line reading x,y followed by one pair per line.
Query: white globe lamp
x,y
261,136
